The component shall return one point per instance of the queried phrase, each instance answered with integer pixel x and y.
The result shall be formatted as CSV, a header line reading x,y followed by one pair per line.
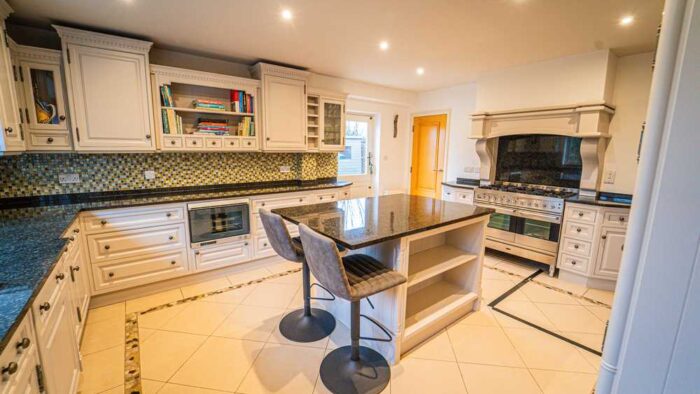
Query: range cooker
x,y
527,220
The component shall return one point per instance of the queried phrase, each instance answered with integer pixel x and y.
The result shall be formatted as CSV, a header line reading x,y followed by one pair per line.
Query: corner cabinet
x,y
283,107
11,133
108,91
325,121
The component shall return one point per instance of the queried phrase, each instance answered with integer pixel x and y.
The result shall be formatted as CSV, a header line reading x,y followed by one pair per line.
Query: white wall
x,y
630,97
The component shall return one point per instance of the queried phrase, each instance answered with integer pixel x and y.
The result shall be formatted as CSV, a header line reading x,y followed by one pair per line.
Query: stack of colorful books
x,y
166,96
215,105
246,127
172,122
212,126
241,102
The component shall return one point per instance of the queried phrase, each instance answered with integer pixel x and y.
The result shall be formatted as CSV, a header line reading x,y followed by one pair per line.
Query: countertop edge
x,y
459,185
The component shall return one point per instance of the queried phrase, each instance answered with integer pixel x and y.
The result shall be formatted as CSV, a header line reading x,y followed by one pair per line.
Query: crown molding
x,y
182,74
5,9
70,35
260,69
30,53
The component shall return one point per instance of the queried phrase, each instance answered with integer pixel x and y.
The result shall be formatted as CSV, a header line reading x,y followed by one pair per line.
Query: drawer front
x,y
327,197
194,142
280,202
132,243
213,143
21,343
344,193
263,247
576,247
466,197
172,142
575,212
231,143
102,221
617,219
44,307
573,263
260,230
49,141
579,230
138,271
449,194
249,143
222,255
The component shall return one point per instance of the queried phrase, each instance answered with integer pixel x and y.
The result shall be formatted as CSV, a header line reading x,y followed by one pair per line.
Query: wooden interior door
x,y
428,155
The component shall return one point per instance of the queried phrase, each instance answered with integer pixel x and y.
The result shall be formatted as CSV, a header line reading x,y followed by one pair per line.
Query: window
x,y
353,160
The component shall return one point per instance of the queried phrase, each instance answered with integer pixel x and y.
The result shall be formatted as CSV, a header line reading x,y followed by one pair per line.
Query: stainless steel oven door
x,y
213,221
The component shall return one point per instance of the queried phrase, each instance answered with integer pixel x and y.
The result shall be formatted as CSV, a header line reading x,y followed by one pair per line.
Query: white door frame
x,y
372,138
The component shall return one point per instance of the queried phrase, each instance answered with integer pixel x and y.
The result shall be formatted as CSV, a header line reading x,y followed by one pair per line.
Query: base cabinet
x,y
223,255
20,362
456,194
612,243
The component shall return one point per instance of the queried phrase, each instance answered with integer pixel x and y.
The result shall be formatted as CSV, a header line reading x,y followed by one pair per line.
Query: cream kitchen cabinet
x,y
611,245
457,194
19,362
283,107
107,80
79,280
12,138
332,124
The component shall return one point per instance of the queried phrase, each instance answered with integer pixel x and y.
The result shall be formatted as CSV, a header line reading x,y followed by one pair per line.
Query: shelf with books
x,y
211,111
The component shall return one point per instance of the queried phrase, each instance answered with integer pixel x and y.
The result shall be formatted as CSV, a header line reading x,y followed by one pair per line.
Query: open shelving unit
x,y
313,133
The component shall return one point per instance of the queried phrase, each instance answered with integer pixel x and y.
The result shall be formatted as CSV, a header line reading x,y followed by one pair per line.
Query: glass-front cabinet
x,y
332,124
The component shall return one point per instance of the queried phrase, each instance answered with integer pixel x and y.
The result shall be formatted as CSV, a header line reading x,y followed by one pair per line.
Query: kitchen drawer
x,y
576,247
213,143
194,142
280,202
327,196
48,140
263,247
579,230
617,219
230,143
172,142
573,263
465,197
578,213
43,307
449,194
141,270
132,243
260,230
111,220
222,255
344,193
249,143
21,349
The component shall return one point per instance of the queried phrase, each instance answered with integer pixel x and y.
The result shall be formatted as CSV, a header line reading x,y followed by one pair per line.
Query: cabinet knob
x,y
320,198
171,237
232,143
249,143
76,268
301,200
573,262
194,142
213,142
23,343
62,117
576,246
172,142
172,262
10,369
169,214
266,139
76,230
604,237
578,230
148,136
622,219
262,204
44,307
106,247
196,252
580,214
9,130
111,274
49,140
246,244
103,222
60,276
265,244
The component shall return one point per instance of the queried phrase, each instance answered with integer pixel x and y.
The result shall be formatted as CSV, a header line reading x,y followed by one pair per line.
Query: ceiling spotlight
x,y
287,14
383,45
420,71
626,20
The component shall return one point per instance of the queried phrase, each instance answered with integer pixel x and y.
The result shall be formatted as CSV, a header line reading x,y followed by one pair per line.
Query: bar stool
x,y
307,324
354,368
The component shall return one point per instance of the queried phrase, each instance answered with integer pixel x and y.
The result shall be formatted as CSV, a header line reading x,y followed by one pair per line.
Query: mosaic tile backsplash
x,y
37,174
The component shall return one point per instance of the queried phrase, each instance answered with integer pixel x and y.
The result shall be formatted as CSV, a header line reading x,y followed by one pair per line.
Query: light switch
x,y
609,176
285,169
68,178
149,175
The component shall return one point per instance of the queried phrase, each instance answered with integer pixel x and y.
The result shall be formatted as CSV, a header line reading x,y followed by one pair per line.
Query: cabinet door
x,y
284,114
79,287
43,92
332,125
611,246
109,91
12,134
27,379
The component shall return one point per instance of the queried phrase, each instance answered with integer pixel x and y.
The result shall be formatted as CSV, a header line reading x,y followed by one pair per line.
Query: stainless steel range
x,y
527,219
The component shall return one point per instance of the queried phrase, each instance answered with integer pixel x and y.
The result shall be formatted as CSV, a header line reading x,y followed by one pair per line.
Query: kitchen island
x,y
438,245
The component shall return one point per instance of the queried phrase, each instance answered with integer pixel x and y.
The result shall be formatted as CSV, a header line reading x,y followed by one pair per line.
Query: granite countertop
x,y
599,202
459,185
367,221
31,230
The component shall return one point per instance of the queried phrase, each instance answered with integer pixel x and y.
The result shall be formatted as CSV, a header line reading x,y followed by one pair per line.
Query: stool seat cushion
x,y
367,276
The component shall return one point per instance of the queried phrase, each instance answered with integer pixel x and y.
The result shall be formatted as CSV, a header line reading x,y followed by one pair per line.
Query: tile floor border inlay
x,y
132,353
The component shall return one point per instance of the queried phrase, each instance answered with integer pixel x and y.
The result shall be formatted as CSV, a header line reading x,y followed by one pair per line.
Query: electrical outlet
x,y
68,178
149,175
609,176
471,170
285,169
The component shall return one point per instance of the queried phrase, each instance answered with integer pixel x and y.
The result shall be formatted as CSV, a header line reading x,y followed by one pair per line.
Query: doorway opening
x,y
428,155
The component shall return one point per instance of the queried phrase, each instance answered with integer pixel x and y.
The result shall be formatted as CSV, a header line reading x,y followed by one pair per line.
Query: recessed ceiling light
x,y
383,45
626,20
287,14
420,71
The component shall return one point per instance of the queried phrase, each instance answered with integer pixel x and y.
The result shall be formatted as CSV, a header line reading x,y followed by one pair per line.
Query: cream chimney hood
x,y
588,121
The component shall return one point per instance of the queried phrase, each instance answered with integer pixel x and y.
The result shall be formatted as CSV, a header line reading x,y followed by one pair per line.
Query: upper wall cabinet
x,y
108,91
283,107
325,122
12,135
38,74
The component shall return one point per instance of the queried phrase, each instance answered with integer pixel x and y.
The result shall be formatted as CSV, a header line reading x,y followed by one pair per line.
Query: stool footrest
x,y
332,298
388,338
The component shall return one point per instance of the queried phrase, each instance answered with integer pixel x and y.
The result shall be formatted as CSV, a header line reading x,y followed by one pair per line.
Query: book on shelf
x,y
172,122
166,96
241,101
208,104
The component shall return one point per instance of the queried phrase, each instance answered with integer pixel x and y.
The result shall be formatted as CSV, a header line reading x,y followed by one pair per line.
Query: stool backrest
x,y
325,262
279,237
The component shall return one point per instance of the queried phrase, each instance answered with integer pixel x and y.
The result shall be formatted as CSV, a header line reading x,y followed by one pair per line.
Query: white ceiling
x,y
454,40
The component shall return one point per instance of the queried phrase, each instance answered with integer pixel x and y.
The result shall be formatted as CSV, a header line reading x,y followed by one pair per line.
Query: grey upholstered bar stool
x,y
351,369
306,324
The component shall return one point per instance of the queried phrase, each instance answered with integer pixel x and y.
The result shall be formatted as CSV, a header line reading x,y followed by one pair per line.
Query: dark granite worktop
x,y
367,221
464,183
31,230
603,199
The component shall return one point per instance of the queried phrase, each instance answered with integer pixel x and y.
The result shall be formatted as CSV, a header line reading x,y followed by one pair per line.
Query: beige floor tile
x,y
164,352
150,386
250,322
543,351
103,335
116,390
143,303
341,336
320,388
205,287
553,382
277,337
235,296
574,318
593,341
490,379
283,369
145,333
483,345
283,266
603,296
292,279
492,289
102,370
561,284
220,364
482,317
273,295
525,310
199,318
592,359
170,388
417,376
157,319
541,294
600,312
246,276
493,274
436,348
491,261
518,268
109,312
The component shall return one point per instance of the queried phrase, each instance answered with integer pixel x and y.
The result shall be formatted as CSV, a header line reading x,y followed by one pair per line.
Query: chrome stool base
x,y
297,326
340,374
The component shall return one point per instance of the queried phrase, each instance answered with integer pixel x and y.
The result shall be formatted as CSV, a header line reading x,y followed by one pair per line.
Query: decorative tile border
x,y
132,353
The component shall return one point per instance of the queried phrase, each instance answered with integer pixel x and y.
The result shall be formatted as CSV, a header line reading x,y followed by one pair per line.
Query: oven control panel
x,y
518,200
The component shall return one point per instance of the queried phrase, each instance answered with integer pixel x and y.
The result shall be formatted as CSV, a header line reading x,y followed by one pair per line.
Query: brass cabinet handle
x,y
111,274
44,307
578,230
249,143
573,262
49,140
103,222
148,136
9,130
576,246
580,214
194,142
60,276
106,247
62,117
76,230
171,237
172,262
604,237
10,369
168,214
23,343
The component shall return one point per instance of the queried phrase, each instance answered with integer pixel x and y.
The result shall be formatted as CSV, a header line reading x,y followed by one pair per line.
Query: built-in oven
x,y
220,221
